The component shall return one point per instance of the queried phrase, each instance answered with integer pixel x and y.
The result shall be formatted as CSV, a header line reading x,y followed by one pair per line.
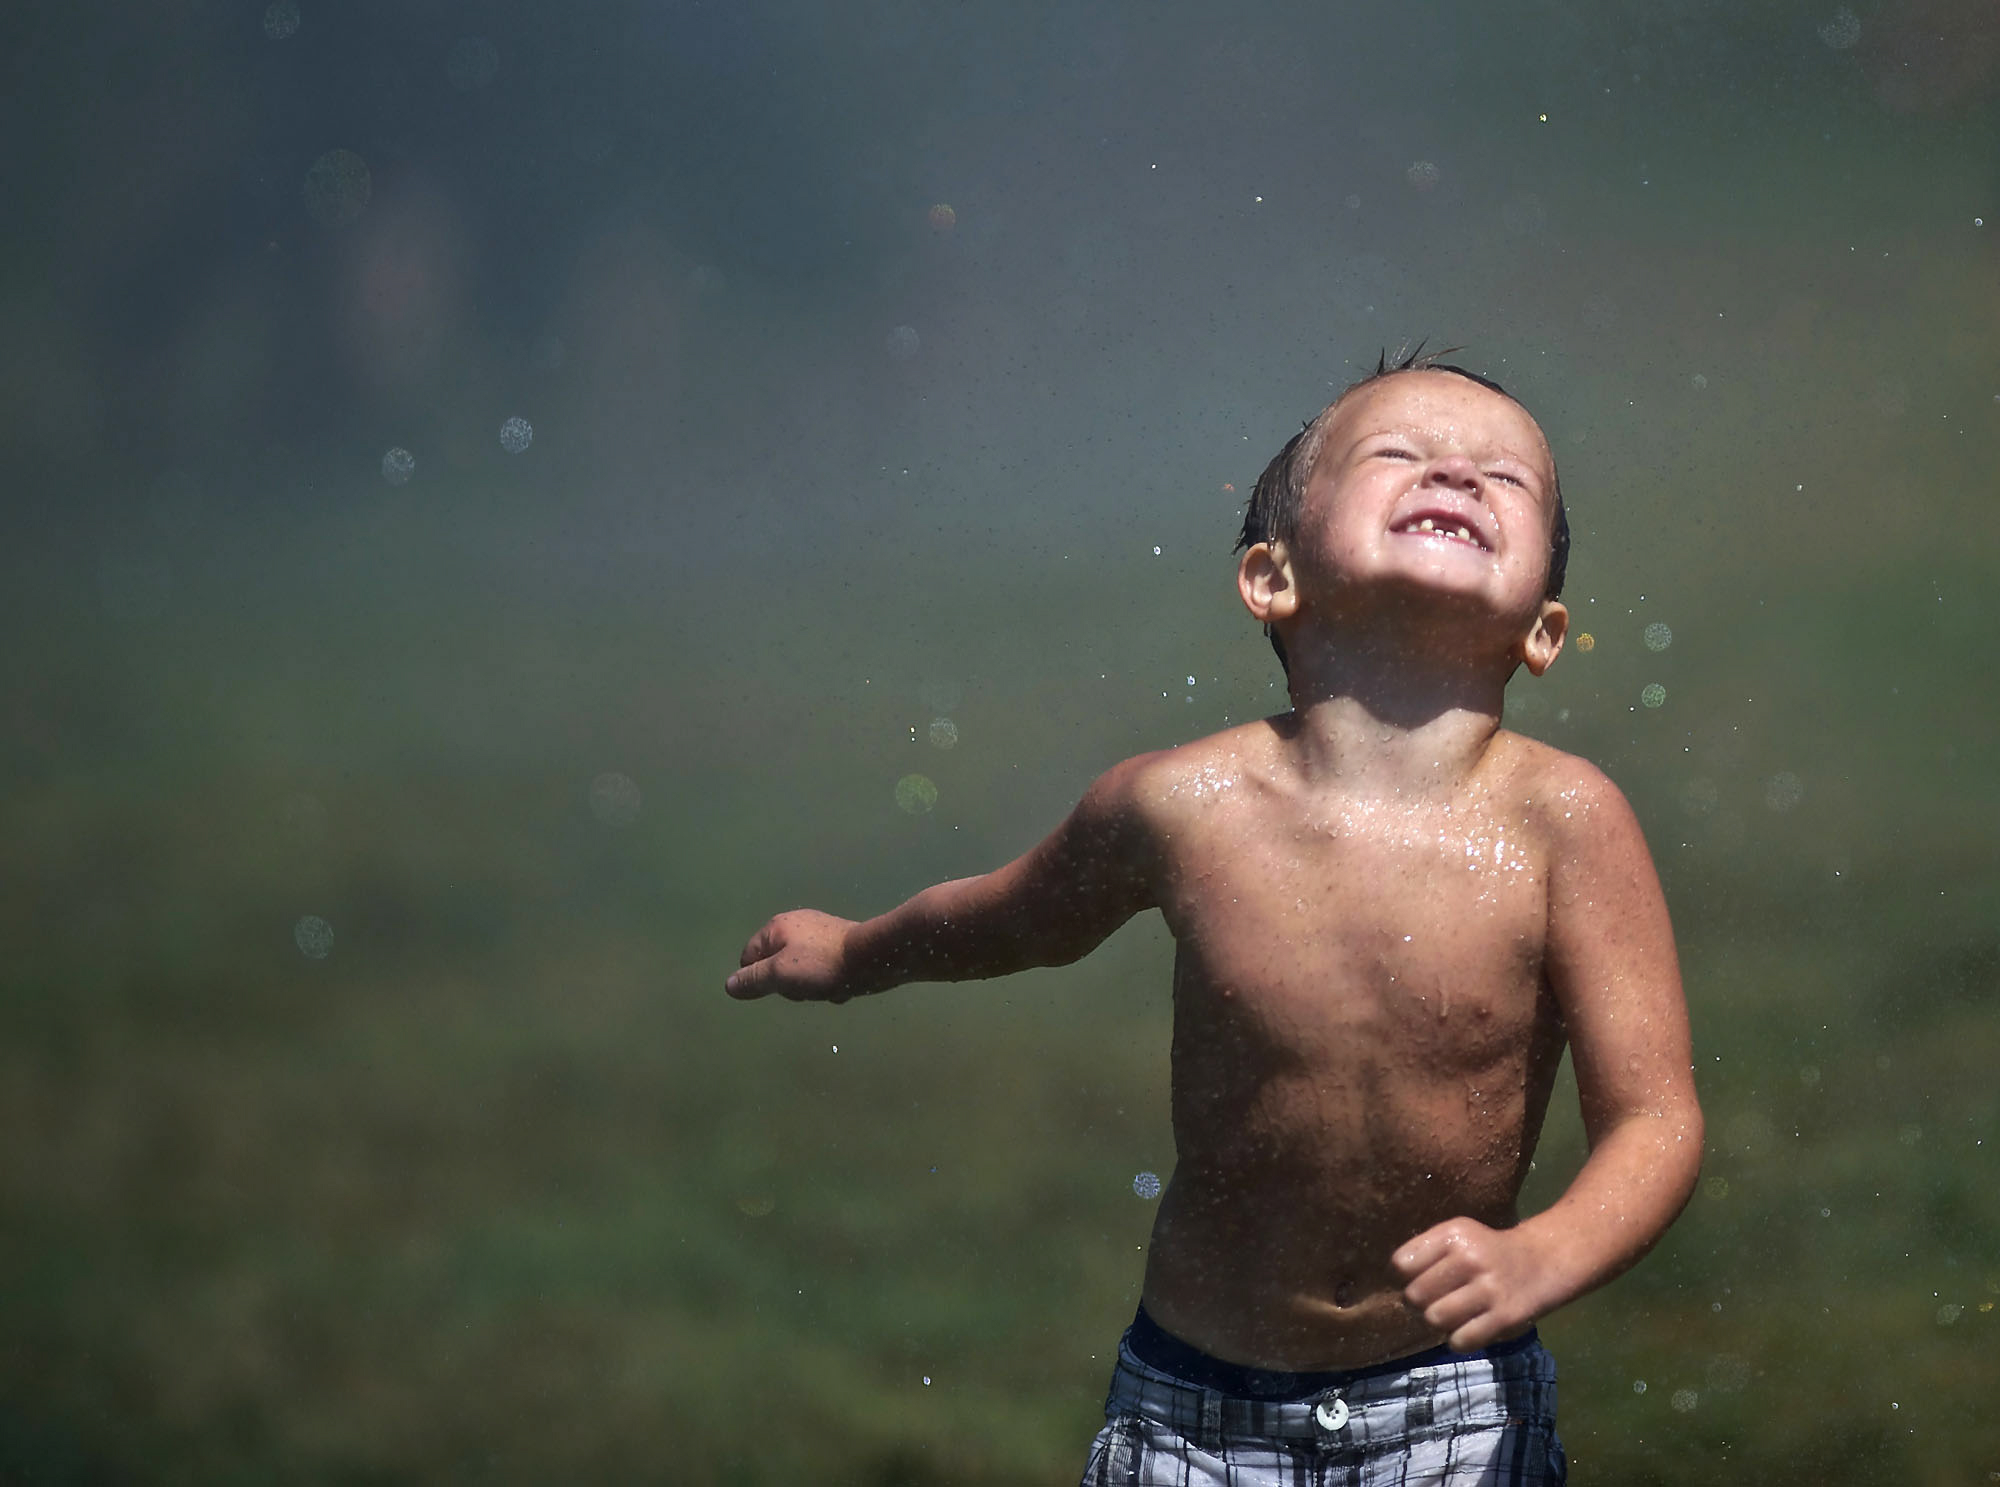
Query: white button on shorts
x,y
1331,1413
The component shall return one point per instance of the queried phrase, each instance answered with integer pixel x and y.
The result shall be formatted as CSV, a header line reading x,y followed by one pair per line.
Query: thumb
x,y
751,982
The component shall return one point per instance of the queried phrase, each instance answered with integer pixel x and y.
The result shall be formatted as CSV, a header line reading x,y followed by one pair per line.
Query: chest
x,y
1430,921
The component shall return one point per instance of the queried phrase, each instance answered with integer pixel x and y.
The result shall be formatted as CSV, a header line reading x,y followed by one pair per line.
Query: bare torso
x,y
1364,1040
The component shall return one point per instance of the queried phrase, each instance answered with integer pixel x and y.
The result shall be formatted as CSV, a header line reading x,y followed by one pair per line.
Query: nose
x,y
1455,471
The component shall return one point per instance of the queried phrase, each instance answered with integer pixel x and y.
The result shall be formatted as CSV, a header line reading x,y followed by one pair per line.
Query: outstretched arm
x,y
1050,906
1610,961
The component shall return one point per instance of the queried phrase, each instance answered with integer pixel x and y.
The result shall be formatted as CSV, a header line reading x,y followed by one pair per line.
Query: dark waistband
x,y
1158,1348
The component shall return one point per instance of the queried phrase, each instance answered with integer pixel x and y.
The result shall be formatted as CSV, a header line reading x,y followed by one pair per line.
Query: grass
x,y
504,1190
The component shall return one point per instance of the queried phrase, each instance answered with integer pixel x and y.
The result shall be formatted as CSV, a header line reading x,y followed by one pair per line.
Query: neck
x,y
1402,714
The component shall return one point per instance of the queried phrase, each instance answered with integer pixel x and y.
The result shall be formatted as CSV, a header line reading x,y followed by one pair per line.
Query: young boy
x,y
1390,914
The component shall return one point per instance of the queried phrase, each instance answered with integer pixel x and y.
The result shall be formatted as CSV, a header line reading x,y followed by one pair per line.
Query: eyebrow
x,y
1412,431
1542,469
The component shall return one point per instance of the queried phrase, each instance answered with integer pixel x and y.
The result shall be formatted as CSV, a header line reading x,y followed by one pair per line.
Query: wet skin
x,y
1389,915
1364,1040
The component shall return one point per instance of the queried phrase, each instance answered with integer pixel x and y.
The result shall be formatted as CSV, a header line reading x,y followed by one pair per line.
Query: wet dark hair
x,y
1273,509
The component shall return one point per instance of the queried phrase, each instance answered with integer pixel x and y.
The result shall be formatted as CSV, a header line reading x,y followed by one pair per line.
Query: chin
x,y
1444,585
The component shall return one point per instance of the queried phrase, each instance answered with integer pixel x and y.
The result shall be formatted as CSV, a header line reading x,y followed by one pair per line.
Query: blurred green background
x,y
375,833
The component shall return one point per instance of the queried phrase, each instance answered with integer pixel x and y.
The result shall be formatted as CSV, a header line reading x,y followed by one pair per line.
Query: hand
x,y
799,955
1475,1284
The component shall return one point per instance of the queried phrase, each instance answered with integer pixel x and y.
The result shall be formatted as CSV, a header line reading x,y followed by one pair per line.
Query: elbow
x,y
1690,1133
1061,950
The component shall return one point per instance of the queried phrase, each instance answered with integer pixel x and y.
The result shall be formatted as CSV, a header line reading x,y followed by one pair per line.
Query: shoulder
x,y
1167,786
1568,796
1202,771
1585,818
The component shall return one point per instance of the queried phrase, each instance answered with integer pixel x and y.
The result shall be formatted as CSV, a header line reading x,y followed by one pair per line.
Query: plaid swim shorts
x,y
1439,1419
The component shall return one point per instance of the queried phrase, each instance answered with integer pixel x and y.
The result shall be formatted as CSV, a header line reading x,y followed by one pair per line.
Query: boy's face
x,y
1428,482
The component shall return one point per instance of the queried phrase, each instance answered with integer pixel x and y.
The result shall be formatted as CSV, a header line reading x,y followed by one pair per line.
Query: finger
x,y
762,944
751,982
1476,1334
1458,1311
1426,1249
1499,1319
1444,1275
1494,1326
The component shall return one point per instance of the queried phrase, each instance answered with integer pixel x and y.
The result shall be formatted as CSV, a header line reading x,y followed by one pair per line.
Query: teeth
x,y
1429,525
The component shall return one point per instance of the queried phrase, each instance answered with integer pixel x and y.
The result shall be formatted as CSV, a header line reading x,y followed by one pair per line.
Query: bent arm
x,y
1050,906
1612,966
1610,961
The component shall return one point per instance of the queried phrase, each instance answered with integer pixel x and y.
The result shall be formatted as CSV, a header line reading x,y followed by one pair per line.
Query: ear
x,y
1264,580
1544,640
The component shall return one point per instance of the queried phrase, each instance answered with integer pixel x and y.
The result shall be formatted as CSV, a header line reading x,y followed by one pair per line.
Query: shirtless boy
x,y
1390,914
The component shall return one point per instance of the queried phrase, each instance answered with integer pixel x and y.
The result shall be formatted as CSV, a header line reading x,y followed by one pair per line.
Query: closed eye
x,y
1502,475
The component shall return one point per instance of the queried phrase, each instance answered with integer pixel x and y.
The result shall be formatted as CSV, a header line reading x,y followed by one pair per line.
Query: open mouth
x,y
1442,527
